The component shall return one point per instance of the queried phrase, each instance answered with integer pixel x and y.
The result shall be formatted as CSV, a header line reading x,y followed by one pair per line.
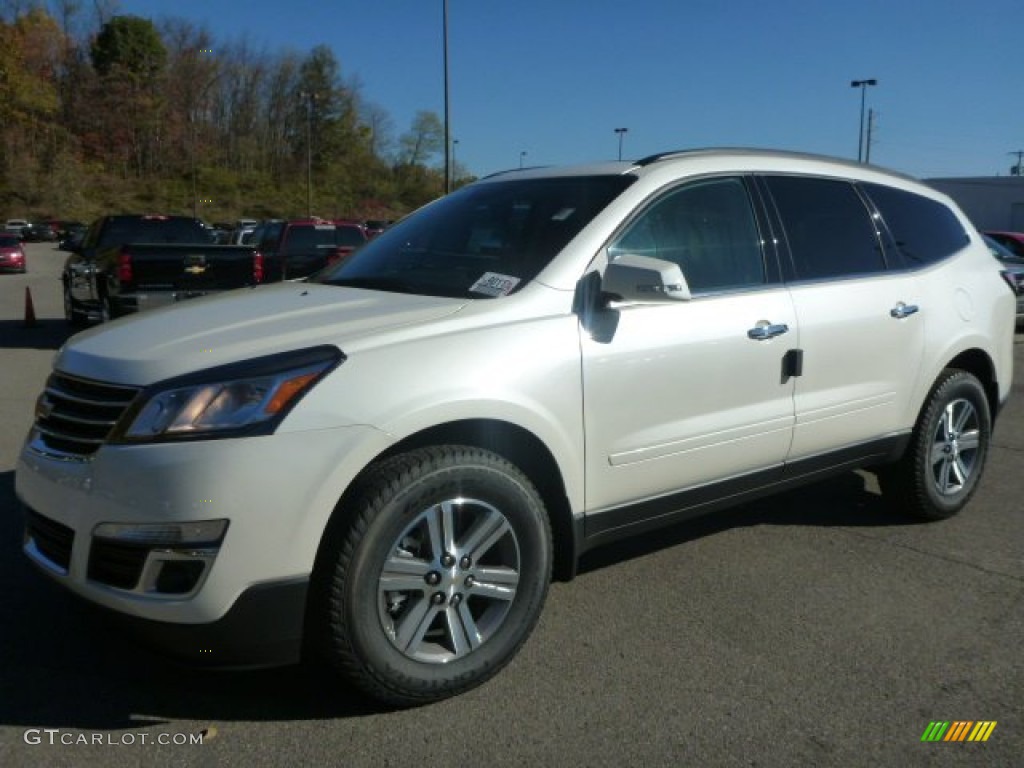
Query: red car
x,y
12,254
1014,241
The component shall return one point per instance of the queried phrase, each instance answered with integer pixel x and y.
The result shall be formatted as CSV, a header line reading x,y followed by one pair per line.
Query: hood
x,y
202,333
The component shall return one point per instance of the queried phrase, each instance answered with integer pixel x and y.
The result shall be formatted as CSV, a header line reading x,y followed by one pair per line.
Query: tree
x,y
129,56
129,44
100,111
424,140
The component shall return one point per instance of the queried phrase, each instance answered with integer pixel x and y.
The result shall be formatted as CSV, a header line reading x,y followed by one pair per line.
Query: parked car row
x,y
124,264
47,230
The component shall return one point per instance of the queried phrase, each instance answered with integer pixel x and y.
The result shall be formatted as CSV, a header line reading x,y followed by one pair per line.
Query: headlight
x,y
222,401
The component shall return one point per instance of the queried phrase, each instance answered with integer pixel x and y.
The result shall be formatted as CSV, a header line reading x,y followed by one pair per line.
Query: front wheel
x,y
438,577
943,464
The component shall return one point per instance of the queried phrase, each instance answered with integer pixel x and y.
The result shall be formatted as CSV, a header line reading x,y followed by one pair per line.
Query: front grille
x,y
115,563
75,416
52,540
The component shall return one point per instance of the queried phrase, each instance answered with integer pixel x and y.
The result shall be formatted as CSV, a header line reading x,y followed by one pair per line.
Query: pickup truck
x,y
129,263
293,250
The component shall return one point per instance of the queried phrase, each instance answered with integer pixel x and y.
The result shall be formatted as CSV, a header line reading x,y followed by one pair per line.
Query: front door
x,y
681,395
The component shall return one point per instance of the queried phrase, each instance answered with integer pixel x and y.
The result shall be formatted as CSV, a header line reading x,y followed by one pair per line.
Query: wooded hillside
x,y
108,113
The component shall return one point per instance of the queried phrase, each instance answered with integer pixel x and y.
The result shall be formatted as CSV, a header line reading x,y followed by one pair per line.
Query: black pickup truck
x,y
130,263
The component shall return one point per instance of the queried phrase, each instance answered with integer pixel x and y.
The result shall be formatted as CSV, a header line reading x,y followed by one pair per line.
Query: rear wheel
x,y
943,464
439,576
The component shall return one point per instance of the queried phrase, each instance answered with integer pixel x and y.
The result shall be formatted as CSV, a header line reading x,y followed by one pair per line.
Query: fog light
x,y
165,559
179,577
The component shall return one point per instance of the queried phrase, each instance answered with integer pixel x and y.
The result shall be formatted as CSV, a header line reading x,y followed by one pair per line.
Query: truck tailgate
x,y
189,268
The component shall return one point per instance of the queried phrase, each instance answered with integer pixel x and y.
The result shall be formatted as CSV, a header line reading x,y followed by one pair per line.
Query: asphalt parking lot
x,y
813,629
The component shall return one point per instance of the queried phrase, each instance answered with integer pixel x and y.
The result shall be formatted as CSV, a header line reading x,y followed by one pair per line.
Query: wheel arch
x,y
526,451
514,443
978,363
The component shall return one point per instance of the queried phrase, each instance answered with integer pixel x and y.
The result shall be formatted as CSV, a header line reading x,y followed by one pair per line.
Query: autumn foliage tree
x,y
121,113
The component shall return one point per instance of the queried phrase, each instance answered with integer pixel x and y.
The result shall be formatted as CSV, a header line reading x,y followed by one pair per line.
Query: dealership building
x,y
991,202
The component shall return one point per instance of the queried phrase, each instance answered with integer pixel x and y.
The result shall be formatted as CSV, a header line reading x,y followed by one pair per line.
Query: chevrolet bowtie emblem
x,y
196,269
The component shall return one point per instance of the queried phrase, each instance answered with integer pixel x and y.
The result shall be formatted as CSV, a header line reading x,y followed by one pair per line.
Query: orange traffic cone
x,y
30,310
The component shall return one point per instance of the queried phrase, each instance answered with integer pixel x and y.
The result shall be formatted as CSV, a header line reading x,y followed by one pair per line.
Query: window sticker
x,y
493,284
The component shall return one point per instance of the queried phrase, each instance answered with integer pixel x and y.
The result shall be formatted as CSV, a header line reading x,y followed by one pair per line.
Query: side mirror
x,y
644,279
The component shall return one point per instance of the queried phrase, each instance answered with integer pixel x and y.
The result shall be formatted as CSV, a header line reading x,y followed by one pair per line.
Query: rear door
x,y
861,325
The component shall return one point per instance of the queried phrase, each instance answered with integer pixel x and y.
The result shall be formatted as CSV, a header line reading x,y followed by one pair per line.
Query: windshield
x,y
484,241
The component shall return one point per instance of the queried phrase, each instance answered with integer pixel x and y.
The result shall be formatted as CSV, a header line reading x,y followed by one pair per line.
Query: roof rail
x,y
663,156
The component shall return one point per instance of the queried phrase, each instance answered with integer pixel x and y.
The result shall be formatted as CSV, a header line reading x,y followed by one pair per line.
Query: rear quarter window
x,y
922,231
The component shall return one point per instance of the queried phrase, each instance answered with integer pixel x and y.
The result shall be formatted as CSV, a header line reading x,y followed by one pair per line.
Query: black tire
x,y
432,626
942,466
74,317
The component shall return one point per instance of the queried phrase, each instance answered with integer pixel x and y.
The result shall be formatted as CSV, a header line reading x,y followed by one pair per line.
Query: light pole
x,y
195,181
193,119
621,132
447,116
455,165
522,156
309,153
863,85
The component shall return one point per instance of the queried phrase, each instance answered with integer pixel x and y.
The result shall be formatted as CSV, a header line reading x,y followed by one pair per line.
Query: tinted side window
x,y
707,228
924,231
828,228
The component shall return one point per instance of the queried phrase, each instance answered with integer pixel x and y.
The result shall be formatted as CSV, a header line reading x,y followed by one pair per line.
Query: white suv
x,y
385,464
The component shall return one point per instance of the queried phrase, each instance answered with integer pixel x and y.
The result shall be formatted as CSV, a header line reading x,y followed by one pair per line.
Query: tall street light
x,y
621,132
310,98
193,119
309,155
447,116
455,165
863,85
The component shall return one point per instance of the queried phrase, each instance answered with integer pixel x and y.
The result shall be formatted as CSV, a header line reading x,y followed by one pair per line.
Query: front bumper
x,y
277,493
264,628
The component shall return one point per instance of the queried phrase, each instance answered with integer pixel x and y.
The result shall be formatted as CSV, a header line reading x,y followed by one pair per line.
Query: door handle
x,y
763,331
902,310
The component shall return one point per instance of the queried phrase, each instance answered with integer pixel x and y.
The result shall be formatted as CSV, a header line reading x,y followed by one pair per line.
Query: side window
x,y
924,231
829,230
707,228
